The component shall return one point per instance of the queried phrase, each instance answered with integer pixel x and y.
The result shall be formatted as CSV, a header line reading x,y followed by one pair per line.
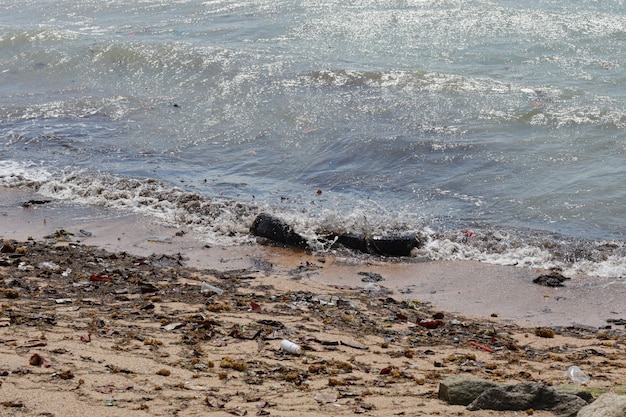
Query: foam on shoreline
x,y
465,287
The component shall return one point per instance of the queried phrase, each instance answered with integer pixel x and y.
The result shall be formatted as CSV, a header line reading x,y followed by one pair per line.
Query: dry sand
x,y
147,342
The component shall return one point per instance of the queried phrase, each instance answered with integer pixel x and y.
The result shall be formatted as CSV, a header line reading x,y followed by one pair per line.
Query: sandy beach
x,y
104,314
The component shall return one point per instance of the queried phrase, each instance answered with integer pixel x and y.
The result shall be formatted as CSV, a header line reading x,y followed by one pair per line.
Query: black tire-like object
x,y
380,245
391,245
274,229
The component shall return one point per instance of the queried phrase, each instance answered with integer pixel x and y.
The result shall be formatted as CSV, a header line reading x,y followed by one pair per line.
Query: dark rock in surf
x,y
380,245
275,229
553,279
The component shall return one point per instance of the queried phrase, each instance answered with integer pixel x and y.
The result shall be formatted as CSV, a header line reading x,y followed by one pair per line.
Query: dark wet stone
x,y
553,279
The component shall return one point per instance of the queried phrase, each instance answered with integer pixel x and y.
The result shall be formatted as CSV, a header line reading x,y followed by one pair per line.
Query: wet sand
x,y
464,287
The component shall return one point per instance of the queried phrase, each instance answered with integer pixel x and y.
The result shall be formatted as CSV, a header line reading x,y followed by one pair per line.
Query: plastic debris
x,y
576,375
96,278
430,324
255,307
289,346
208,289
486,349
173,326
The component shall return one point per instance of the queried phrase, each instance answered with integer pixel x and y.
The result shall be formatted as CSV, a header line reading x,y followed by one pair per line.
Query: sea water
x,y
494,130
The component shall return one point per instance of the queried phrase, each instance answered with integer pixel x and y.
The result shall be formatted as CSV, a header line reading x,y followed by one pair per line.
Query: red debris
x,y
486,349
430,324
100,278
255,307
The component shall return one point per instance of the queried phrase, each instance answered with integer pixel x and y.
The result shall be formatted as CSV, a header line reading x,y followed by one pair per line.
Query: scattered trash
x,y
85,233
50,266
255,307
486,349
96,278
63,301
208,289
576,375
325,299
430,324
173,326
290,347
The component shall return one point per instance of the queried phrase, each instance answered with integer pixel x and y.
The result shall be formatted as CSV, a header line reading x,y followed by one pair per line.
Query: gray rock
x,y
578,390
607,405
527,395
463,389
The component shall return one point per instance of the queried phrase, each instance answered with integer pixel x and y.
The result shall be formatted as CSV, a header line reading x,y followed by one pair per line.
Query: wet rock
x,y
275,229
553,279
463,389
31,203
607,405
528,395
371,277
579,391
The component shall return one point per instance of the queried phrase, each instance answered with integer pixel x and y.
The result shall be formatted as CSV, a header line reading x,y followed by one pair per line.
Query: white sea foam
x,y
22,173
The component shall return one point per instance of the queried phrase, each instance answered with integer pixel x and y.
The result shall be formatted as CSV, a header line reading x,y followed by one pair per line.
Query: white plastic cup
x,y
207,288
289,346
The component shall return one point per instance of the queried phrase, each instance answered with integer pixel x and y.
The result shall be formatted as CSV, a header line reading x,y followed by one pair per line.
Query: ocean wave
x,y
227,222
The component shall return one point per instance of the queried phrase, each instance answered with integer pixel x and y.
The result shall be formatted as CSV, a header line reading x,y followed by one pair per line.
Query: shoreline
x,y
116,324
461,287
